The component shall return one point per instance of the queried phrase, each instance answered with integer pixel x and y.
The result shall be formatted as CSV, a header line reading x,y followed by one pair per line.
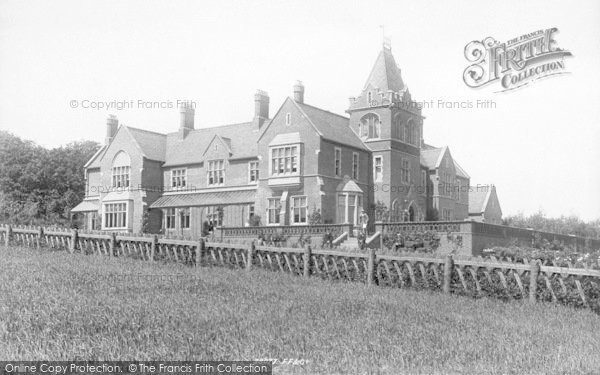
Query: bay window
x,y
284,160
115,215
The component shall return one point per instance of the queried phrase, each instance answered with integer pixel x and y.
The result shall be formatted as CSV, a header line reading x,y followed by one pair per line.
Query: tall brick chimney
x,y
186,121
112,124
299,92
261,107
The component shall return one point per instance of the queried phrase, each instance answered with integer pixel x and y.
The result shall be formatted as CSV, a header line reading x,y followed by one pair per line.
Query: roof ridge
x,y
145,130
324,110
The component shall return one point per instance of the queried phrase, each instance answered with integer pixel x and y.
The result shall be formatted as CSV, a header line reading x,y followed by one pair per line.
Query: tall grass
x,y
57,306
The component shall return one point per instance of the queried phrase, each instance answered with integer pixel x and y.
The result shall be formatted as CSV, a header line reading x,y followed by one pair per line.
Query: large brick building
x,y
281,168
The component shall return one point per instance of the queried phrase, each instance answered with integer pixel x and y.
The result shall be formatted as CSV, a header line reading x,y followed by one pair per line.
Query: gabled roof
x,y
460,172
385,74
223,140
430,157
242,143
153,145
331,126
94,161
478,199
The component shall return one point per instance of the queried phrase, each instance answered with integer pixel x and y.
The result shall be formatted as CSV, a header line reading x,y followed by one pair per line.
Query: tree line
x,y
40,186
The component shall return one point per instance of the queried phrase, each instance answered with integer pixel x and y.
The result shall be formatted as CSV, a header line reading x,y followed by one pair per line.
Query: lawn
x,y
54,305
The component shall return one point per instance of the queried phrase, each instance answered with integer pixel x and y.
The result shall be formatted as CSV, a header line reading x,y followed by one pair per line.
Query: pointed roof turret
x,y
385,74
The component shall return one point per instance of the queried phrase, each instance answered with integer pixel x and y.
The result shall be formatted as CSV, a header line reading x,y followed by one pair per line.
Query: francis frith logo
x,y
514,63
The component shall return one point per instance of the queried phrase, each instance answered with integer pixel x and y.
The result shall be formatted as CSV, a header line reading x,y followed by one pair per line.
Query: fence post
x,y
40,236
8,235
153,247
112,244
251,252
533,276
371,267
448,268
307,256
199,252
74,238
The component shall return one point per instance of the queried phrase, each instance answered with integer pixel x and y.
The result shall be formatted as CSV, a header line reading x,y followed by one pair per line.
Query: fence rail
x,y
474,277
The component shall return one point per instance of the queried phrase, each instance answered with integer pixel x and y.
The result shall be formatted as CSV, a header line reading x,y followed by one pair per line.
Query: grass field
x,y
54,305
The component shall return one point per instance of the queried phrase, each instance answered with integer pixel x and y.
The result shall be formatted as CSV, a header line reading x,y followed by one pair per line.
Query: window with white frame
x,y
253,172
121,170
299,209
184,218
405,171
170,218
338,161
250,211
215,172
273,211
178,178
115,215
355,164
288,119
378,168
120,176
214,215
284,160
446,214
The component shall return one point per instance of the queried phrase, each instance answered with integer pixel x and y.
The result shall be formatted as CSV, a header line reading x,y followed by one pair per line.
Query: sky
x,y
538,145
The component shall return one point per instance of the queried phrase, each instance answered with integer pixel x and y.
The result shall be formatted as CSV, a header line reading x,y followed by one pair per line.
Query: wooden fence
x,y
474,277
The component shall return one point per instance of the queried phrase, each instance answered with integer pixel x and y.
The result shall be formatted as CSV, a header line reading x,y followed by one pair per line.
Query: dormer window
x,y
370,126
288,119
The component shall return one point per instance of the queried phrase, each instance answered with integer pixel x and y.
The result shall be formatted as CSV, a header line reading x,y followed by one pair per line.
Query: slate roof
x,y
94,161
242,142
430,157
477,200
460,172
385,74
331,126
205,199
152,144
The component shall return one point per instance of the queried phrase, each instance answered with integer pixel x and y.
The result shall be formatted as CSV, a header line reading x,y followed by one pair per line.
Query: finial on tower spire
x,y
386,40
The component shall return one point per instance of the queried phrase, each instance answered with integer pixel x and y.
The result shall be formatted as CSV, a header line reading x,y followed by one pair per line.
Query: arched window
x,y
397,127
369,97
411,132
120,170
370,126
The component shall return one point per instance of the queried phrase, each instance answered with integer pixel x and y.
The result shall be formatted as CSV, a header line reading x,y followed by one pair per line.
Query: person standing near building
x,y
364,221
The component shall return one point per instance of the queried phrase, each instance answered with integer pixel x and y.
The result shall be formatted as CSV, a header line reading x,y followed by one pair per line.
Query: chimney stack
x,y
261,104
299,92
112,124
186,122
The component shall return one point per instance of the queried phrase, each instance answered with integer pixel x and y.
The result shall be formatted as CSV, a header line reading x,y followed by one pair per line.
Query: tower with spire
x,y
387,120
